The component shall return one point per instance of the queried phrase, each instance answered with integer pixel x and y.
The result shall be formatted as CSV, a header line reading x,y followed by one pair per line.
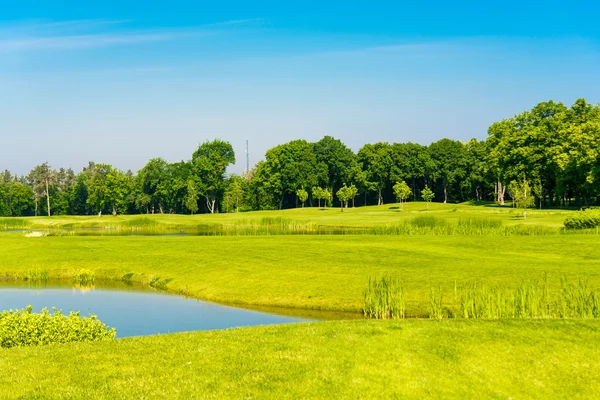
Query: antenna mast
x,y
247,158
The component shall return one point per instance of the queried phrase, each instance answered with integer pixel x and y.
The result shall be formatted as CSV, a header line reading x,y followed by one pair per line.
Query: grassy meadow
x,y
343,359
371,216
412,358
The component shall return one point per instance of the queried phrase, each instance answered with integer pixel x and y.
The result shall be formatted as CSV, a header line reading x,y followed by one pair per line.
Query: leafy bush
x,y
587,219
24,328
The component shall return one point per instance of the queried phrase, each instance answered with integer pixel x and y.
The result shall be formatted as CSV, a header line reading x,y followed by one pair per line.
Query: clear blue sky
x,y
121,82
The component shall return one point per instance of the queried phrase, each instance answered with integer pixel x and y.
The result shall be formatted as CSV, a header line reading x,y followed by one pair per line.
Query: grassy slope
x,y
411,358
327,272
361,216
360,359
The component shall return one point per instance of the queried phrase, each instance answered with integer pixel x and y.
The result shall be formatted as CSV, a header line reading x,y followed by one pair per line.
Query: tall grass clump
x,y
587,219
25,328
531,299
430,225
84,277
436,308
384,298
428,221
36,276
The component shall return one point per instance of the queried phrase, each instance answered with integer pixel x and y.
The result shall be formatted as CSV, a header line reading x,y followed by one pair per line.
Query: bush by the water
x,y
25,328
586,219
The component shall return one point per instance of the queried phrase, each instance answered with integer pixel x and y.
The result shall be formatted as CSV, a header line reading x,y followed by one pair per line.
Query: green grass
x,y
332,217
410,358
315,272
359,359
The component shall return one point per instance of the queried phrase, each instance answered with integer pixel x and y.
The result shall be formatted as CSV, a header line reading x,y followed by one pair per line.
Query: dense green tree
x,y
448,157
377,163
234,194
292,166
210,162
337,159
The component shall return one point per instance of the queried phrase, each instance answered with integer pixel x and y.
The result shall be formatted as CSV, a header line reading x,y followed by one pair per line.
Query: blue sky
x,y
121,82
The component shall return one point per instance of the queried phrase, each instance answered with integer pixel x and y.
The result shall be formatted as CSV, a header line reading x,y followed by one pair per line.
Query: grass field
x,y
359,359
319,272
356,217
412,358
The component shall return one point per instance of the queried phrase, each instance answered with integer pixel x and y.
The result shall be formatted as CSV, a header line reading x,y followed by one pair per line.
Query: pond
x,y
138,310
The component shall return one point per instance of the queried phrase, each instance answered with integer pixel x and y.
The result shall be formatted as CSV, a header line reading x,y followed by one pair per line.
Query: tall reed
x,y
384,298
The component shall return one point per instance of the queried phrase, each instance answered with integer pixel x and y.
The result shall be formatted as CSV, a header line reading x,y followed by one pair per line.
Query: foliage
x,y
210,162
427,195
25,328
522,195
302,196
402,192
552,148
345,195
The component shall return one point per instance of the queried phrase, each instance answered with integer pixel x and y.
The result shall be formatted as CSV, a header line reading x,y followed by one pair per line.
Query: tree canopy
x,y
552,149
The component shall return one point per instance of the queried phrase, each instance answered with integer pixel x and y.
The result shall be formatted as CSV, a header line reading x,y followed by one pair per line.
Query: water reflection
x,y
138,310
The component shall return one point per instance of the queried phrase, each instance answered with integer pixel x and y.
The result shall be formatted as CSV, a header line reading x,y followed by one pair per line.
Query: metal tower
x,y
247,157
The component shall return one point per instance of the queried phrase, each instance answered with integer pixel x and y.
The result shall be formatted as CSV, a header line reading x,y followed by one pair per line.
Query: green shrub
x,y
587,219
24,328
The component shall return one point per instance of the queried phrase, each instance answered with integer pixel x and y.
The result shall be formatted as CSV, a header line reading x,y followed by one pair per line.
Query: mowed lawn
x,y
413,359
352,217
315,272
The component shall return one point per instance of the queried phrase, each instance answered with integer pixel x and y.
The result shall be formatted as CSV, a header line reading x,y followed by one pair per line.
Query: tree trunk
x,y
445,194
379,198
501,190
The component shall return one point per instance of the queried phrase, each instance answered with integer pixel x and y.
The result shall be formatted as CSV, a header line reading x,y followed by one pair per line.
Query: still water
x,y
136,310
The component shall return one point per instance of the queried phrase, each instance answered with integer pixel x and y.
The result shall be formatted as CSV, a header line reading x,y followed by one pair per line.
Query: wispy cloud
x,y
90,41
83,34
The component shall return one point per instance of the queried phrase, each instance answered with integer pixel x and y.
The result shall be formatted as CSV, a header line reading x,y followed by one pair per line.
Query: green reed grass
x,y
84,277
430,225
36,276
530,299
384,298
436,308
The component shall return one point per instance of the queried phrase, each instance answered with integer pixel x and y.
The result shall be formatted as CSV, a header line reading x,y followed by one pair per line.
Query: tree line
x,y
548,155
